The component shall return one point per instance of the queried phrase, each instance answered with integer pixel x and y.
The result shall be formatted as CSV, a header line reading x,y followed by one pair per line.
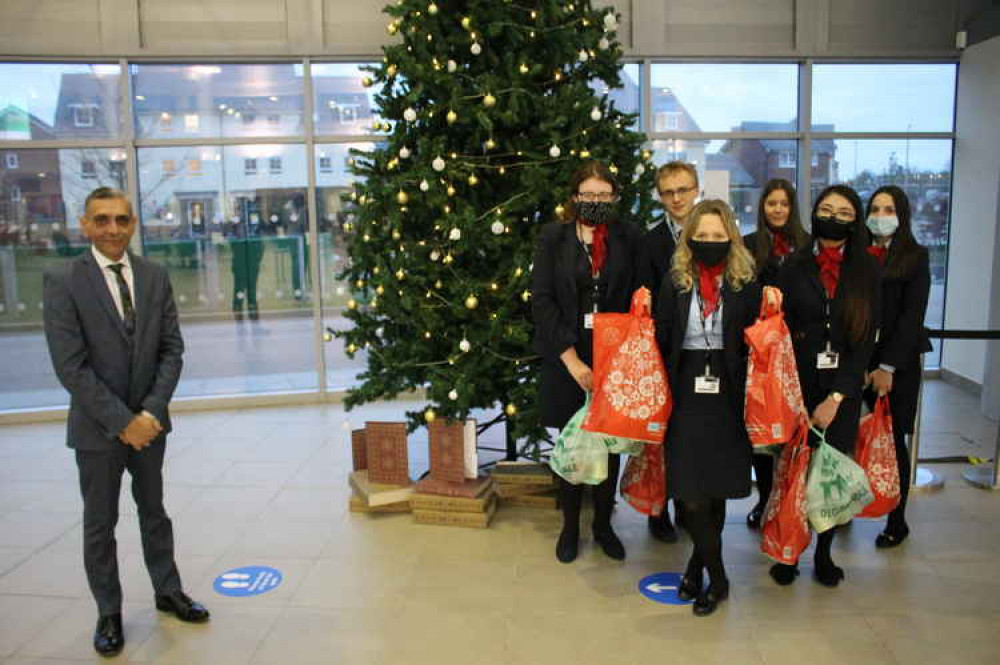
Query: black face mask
x,y
593,213
829,228
709,254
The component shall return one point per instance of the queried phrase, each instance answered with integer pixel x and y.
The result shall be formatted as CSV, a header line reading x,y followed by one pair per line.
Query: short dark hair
x,y
106,193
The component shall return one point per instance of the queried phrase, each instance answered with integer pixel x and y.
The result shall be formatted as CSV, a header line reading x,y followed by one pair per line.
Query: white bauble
x,y
404,153
409,115
438,164
603,44
452,66
424,185
453,395
583,56
476,49
455,234
554,152
465,345
595,114
497,227
639,169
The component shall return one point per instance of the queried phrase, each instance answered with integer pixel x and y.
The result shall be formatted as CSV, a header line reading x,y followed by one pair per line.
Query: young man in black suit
x,y
677,185
115,343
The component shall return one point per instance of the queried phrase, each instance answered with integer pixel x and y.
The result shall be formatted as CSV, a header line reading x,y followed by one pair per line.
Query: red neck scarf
x,y
708,287
599,248
879,252
780,246
829,260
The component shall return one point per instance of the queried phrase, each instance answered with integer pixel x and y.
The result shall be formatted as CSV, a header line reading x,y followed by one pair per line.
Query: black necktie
x,y
127,307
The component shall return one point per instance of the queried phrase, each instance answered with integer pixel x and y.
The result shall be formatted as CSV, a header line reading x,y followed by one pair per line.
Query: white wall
x,y
971,280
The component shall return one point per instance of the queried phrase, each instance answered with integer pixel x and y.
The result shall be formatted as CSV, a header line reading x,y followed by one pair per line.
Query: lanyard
x,y
590,259
707,323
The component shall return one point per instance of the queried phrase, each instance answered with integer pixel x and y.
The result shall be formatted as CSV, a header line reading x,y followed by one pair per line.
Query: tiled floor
x,y
268,487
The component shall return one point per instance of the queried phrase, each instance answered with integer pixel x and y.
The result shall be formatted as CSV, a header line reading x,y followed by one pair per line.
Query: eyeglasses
x,y
680,191
842,215
590,197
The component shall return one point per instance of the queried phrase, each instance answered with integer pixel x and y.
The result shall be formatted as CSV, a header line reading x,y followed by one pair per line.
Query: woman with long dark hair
x,y
895,367
705,303
779,233
586,264
831,293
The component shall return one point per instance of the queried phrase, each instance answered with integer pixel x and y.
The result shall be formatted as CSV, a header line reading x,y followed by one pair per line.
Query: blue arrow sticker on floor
x,y
247,581
662,588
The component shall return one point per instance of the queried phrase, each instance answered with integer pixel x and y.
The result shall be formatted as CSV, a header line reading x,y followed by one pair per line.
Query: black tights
x,y
763,469
897,518
571,498
704,520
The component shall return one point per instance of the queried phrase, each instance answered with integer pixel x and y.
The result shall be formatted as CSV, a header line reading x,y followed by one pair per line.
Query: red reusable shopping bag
x,y
631,395
875,452
644,483
774,407
785,528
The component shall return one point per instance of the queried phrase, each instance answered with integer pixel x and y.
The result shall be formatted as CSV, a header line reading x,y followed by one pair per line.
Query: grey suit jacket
x,y
110,378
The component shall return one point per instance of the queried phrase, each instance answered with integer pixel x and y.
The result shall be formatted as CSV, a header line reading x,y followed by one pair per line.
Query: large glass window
x,y
56,101
688,97
342,105
236,244
217,100
883,98
41,202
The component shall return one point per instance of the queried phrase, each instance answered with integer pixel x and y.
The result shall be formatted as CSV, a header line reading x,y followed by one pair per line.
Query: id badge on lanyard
x,y
706,384
827,358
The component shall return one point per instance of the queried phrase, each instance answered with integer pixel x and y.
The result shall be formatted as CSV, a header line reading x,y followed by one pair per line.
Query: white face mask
x,y
883,226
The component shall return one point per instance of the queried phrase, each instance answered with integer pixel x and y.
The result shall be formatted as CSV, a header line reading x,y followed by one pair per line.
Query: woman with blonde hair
x,y
708,299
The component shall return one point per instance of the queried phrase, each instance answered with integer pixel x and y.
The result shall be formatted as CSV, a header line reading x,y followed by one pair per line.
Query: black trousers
x,y
571,498
100,485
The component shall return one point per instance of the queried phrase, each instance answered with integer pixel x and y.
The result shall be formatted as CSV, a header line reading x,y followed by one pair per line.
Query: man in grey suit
x,y
115,343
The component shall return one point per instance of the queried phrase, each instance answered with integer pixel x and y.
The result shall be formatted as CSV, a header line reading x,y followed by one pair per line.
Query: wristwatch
x,y
837,397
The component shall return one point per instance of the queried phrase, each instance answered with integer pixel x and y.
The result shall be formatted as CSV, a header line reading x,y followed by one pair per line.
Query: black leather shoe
x,y
180,605
707,602
892,537
661,528
784,574
754,516
609,542
828,574
109,638
567,546
690,587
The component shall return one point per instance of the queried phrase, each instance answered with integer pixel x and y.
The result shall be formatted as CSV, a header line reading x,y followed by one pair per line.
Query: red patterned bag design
x,y
875,452
644,482
631,394
774,408
784,532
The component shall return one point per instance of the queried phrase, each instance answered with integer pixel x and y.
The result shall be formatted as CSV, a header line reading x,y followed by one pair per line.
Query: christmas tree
x,y
489,106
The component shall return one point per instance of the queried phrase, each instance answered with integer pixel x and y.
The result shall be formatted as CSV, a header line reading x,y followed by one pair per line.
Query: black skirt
x,y
708,452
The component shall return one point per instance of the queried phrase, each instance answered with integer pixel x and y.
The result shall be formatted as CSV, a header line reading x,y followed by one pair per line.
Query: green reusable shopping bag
x,y
837,488
581,457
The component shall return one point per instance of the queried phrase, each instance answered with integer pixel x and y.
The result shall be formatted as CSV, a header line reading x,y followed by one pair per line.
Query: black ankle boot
x,y
784,574
567,546
708,601
609,542
827,573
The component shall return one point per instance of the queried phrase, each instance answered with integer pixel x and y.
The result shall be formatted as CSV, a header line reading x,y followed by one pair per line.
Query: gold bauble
x,y
466,22
429,415
472,302
379,289
451,117
367,81
391,70
584,154
352,304
400,274
473,180
560,210
490,144
489,101
523,68
402,198
510,410
352,349
526,296
451,191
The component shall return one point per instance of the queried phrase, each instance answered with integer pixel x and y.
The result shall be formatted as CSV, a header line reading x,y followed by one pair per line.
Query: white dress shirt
x,y
695,334
112,281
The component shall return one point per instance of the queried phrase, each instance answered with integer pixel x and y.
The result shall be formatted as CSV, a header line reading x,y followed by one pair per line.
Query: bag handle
x,y
641,302
768,309
821,433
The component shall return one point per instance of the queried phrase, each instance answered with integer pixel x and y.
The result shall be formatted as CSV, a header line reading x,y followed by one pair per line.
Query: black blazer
x,y
111,378
655,255
739,311
903,337
804,305
554,305
767,274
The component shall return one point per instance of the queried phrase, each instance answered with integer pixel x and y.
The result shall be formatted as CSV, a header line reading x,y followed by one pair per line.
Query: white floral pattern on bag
x,y
636,399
